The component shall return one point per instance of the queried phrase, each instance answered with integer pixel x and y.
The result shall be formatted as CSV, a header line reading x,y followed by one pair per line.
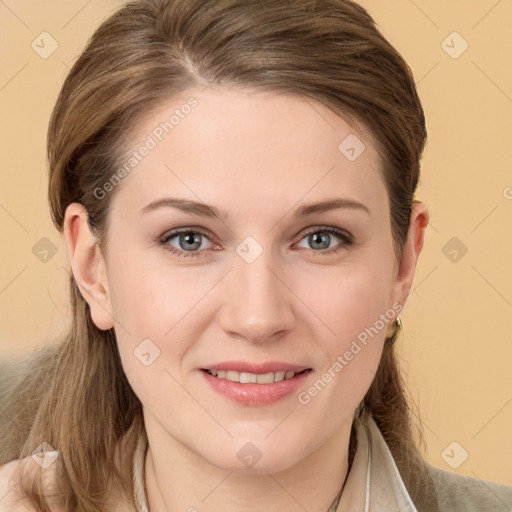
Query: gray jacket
x,y
374,484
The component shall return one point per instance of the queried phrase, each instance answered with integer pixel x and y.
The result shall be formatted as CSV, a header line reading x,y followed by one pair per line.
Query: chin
x,y
252,457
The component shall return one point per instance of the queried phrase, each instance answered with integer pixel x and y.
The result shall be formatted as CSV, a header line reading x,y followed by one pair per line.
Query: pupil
x,y
191,238
321,238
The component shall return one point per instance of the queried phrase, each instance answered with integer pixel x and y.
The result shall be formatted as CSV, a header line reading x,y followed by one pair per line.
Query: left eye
x,y
324,236
189,242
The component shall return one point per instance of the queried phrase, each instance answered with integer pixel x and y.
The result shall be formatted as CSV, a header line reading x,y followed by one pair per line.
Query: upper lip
x,y
257,368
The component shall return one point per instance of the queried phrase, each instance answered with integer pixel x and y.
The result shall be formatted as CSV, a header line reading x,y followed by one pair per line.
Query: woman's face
x,y
268,279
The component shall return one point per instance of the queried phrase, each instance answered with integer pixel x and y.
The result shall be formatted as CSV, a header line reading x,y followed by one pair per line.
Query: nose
x,y
257,302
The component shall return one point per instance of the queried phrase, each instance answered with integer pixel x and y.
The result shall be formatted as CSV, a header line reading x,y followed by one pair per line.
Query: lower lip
x,y
255,394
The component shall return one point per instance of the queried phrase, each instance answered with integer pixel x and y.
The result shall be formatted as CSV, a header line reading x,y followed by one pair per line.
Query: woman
x,y
235,184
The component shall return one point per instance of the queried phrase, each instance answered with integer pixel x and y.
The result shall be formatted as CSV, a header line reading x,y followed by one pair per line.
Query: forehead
x,y
239,147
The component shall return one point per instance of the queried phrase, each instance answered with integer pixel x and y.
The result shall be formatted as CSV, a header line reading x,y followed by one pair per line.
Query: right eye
x,y
187,239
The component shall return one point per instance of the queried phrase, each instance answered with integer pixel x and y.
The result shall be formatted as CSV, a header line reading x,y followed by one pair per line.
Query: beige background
x,y
456,342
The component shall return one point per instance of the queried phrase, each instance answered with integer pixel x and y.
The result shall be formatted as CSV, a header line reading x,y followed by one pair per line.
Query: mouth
x,y
254,378
256,389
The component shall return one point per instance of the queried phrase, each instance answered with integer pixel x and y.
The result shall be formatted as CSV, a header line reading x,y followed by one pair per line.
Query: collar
x,y
373,484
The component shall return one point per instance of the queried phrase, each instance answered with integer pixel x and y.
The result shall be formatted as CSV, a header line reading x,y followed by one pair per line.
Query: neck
x,y
180,479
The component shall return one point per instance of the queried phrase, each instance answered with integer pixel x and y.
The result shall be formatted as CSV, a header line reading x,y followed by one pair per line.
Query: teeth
x,y
252,378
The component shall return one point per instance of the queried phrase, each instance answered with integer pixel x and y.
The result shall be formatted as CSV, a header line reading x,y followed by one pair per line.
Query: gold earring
x,y
396,331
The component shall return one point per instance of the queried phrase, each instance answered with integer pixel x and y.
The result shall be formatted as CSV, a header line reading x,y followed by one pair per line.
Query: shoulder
x,y
469,494
11,496
9,489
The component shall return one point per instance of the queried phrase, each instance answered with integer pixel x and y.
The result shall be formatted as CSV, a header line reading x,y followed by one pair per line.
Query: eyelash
x,y
344,236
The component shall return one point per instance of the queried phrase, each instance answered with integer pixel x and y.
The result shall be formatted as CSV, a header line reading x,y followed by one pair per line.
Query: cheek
x,y
350,309
148,297
159,314
348,300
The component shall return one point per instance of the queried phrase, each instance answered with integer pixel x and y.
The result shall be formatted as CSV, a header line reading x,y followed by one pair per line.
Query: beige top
x,y
373,484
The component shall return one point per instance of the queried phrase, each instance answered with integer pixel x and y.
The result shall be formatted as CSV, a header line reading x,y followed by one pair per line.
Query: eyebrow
x,y
204,210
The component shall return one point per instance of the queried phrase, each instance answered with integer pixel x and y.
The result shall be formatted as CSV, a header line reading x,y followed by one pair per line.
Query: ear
x,y
410,253
88,265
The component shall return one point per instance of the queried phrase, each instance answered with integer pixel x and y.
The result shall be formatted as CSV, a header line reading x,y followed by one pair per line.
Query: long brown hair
x,y
75,395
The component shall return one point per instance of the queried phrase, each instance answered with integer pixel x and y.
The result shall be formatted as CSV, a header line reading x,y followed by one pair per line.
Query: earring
x,y
396,331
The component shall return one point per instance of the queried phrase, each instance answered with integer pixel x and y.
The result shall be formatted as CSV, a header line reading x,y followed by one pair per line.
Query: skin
x,y
257,156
